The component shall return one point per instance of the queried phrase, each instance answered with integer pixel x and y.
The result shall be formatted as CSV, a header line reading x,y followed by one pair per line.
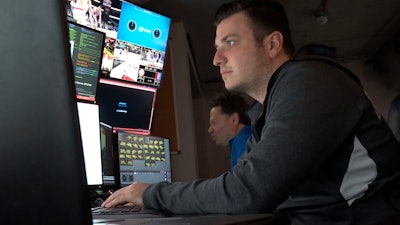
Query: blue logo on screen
x,y
142,27
122,107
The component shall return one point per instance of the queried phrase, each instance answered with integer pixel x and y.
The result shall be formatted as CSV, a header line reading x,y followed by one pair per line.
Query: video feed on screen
x,y
101,15
136,38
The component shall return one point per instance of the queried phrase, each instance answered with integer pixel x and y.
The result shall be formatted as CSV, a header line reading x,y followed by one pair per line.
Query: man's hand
x,y
131,195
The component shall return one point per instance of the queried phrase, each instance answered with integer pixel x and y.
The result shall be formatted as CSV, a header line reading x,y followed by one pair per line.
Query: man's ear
x,y
235,118
274,43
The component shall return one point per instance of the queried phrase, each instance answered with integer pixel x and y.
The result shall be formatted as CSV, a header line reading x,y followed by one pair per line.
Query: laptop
x,y
142,158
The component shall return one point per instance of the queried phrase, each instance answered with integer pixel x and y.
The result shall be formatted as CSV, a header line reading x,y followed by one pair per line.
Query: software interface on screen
x,y
136,39
126,106
88,115
143,158
86,47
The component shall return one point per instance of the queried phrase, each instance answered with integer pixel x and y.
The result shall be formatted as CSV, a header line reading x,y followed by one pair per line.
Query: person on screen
x,y
81,10
318,152
69,4
129,69
229,124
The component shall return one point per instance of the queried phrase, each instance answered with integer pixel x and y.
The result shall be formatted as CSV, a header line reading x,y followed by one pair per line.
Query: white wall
x,y
184,164
199,156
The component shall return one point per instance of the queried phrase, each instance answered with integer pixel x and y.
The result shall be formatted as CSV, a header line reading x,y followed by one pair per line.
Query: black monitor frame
x,y
43,178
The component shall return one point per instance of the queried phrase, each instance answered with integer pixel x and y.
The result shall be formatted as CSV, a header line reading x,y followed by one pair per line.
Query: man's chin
x,y
229,87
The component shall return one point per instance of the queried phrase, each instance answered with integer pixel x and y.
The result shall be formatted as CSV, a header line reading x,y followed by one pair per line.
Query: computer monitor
x,y
43,178
136,38
139,50
126,106
143,158
86,46
90,133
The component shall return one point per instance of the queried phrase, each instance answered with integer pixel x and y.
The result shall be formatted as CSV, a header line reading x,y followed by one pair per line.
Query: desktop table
x,y
210,219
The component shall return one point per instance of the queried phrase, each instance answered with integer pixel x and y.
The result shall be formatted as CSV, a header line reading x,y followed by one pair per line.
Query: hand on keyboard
x,y
123,209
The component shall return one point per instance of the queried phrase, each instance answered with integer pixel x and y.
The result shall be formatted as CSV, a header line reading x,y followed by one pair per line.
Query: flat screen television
x,y
136,39
126,106
138,53
86,48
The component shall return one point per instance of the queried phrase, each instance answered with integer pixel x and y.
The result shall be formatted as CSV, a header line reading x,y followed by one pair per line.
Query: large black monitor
x,y
86,46
126,106
42,178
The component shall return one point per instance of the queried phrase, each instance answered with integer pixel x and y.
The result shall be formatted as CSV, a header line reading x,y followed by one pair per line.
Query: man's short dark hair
x,y
232,103
266,16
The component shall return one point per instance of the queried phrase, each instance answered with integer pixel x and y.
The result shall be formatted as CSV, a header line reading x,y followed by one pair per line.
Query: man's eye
x,y
230,42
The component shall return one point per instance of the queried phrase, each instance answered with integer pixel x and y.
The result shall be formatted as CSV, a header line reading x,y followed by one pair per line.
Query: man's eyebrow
x,y
226,37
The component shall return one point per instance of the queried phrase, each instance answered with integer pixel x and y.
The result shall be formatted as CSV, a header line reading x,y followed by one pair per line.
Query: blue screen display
x,y
143,27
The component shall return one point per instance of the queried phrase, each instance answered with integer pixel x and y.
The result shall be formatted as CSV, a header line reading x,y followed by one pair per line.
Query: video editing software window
x,y
143,158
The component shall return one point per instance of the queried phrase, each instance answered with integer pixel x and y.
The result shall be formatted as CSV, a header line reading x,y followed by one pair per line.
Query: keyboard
x,y
115,210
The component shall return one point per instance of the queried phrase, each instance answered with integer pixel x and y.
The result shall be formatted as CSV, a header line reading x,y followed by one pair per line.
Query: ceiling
x,y
357,28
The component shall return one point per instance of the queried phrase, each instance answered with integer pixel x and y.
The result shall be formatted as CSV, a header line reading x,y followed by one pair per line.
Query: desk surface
x,y
250,219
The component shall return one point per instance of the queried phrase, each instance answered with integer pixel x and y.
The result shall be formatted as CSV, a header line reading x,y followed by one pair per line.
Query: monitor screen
x,y
86,47
138,53
136,38
89,123
101,15
143,158
126,106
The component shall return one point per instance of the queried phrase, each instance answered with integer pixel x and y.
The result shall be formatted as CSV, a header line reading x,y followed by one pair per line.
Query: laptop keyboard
x,y
116,210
